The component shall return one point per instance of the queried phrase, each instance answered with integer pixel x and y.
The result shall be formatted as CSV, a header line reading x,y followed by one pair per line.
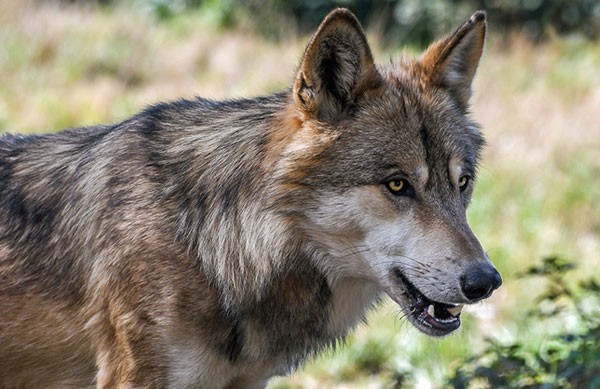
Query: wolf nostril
x,y
475,292
480,281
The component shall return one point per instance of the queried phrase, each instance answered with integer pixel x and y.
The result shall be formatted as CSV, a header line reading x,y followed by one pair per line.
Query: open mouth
x,y
431,317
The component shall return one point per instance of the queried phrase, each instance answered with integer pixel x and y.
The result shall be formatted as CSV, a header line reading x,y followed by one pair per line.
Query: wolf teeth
x,y
450,320
431,310
455,311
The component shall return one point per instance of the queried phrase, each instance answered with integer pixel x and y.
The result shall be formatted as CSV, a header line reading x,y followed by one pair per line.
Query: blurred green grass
x,y
537,193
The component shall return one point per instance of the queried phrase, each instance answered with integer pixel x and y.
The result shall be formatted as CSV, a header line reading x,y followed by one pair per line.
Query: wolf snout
x,y
479,281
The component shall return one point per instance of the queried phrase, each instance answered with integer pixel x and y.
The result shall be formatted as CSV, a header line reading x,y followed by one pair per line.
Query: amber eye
x,y
396,185
399,187
463,183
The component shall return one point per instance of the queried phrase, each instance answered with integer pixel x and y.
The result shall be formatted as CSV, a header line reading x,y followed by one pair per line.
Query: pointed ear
x,y
451,62
336,68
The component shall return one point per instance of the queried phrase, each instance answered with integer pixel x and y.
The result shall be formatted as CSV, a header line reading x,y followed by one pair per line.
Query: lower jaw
x,y
435,329
417,311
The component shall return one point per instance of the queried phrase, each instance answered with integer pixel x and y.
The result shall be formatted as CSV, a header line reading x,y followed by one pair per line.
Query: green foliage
x,y
565,359
219,12
373,357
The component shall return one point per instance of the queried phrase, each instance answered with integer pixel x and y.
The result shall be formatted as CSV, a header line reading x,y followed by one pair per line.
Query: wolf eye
x,y
399,187
463,183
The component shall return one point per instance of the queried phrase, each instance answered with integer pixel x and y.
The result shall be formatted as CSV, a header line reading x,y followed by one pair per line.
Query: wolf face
x,y
389,168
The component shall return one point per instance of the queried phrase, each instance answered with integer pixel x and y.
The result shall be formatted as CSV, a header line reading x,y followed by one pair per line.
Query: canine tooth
x,y
455,311
431,310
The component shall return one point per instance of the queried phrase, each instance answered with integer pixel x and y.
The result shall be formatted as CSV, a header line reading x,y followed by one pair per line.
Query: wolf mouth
x,y
431,317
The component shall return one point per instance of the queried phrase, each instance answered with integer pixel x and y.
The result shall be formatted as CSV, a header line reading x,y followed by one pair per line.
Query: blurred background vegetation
x,y
414,21
537,96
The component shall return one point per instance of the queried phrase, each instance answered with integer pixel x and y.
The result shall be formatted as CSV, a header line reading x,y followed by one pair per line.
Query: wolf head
x,y
383,163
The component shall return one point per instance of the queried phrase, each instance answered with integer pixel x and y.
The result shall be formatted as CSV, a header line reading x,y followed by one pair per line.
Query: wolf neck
x,y
219,186
220,177
232,220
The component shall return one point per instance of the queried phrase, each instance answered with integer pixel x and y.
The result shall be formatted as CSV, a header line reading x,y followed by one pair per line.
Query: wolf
x,y
215,244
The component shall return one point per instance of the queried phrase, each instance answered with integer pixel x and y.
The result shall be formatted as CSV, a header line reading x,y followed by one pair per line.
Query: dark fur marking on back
x,y
29,221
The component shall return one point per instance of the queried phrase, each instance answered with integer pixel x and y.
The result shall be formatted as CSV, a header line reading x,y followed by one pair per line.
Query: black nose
x,y
479,281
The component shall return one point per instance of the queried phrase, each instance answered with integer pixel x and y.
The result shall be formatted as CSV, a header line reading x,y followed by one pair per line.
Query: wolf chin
x,y
214,244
